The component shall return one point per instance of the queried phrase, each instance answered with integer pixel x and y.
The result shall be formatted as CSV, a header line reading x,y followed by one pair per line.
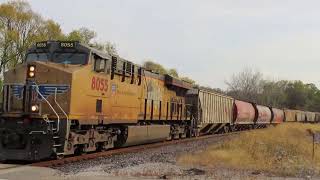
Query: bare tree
x,y
106,47
245,85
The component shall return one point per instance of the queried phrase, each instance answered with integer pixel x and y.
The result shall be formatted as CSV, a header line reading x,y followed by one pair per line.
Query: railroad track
x,y
131,149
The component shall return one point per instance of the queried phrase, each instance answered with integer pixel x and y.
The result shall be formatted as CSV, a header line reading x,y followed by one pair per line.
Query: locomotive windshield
x,y
37,57
69,58
59,57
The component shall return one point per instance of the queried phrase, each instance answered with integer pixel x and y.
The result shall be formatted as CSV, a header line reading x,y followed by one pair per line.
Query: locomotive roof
x,y
54,45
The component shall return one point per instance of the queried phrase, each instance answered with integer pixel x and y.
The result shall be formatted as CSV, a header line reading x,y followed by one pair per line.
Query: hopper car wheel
x,y
190,133
226,129
60,156
233,128
183,135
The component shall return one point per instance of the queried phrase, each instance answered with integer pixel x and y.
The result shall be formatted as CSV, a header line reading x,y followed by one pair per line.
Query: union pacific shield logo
x,y
17,90
47,90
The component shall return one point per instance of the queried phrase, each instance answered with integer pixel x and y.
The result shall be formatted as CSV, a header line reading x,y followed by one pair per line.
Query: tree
x,y
106,47
173,73
20,27
245,85
51,30
189,80
83,35
155,67
158,68
296,95
86,36
273,93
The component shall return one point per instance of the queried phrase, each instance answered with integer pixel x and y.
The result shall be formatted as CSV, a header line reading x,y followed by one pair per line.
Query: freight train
x,y
67,98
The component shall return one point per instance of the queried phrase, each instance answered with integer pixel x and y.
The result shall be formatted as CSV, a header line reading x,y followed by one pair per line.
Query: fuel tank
x,y
146,134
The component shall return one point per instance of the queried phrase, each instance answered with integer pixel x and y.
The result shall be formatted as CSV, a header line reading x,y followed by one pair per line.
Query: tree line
x,y
20,27
251,86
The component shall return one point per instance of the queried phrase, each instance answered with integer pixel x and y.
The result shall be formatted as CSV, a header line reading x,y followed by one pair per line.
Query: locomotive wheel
x,y
99,147
79,150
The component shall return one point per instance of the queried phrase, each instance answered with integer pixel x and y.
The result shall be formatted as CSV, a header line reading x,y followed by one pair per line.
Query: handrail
x,y
37,90
33,132
55,100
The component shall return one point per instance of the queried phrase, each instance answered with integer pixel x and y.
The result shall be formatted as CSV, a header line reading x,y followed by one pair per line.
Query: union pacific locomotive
x,y
68,98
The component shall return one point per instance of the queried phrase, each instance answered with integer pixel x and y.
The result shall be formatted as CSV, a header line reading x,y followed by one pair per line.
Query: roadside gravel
x,y
152,163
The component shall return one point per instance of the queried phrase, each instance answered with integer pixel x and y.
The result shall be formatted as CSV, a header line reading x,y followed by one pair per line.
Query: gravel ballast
x,y
156,162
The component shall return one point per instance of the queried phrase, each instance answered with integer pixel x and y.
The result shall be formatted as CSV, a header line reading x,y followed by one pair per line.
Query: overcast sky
x,y
207,40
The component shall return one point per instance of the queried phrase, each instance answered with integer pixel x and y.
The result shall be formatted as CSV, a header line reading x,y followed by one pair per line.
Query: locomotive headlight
x,y
31,68
31,74
34,108
31,71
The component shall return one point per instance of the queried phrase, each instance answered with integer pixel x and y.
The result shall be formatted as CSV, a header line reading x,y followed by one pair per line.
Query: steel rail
x,y
131,149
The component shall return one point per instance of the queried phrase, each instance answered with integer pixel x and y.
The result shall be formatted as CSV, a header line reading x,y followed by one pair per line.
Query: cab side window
x,y
99,64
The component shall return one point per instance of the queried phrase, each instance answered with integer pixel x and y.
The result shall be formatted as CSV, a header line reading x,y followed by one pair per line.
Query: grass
x,y
284,150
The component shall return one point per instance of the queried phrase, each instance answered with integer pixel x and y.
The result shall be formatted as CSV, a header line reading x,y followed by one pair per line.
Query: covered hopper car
x,y
300,116
277,116
317,118
244,112
310,117
290,115
211,111
264,114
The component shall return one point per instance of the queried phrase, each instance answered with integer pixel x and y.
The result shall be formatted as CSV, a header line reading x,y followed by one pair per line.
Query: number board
x,y
41,45
67,44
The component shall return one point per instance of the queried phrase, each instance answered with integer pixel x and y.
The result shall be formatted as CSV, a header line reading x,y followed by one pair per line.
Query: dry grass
x,y
282,150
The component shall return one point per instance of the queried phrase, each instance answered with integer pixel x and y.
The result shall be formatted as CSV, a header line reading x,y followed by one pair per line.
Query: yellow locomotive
x,y
68,98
